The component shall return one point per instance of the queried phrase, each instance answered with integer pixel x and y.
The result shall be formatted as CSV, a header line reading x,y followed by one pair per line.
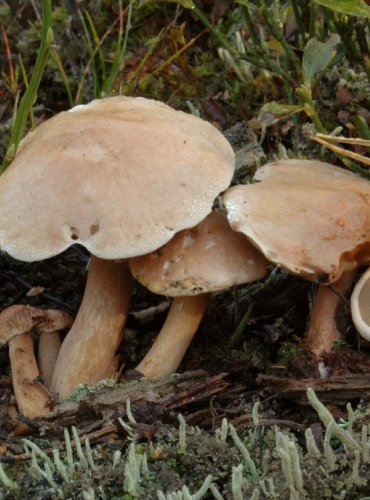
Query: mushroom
x,y
209,257
313,219
50,342
120,176
360,305
16,325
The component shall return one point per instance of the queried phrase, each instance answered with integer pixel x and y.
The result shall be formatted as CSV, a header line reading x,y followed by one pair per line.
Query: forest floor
x,y
258,378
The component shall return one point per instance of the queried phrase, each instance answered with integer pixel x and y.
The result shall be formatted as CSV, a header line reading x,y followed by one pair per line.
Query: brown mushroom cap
x,y
206,258
310,217
17,320
120,176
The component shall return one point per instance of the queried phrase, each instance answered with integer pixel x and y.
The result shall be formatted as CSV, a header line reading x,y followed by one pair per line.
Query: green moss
x,y
286,352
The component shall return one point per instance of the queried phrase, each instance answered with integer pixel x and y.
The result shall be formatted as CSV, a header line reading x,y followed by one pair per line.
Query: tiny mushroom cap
x,y
18,319
197,261
309,217
120,176
360,305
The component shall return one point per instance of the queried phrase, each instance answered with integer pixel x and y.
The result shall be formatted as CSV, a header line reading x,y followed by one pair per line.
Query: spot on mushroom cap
x,y
208,257
310,217
120,176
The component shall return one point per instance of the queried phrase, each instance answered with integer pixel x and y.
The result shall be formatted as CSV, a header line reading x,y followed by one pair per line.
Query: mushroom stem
x,y
169,348
49,347
323,330
50,342
90,346
32,399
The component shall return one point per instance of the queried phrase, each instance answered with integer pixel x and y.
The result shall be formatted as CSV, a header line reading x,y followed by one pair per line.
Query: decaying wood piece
x,y
171,392
338,390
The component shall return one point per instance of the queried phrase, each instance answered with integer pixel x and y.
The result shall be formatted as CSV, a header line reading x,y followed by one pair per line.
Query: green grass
x,y
261,56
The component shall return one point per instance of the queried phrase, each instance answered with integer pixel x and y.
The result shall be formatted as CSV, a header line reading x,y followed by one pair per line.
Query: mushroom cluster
x,y
119,176
134,181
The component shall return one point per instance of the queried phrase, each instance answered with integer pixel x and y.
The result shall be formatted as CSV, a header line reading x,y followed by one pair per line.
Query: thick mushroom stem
x,y
323,330
32,399
90,346
169,348
50,342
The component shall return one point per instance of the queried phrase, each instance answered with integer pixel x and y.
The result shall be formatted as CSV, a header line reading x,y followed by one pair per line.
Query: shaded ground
x,y
266,364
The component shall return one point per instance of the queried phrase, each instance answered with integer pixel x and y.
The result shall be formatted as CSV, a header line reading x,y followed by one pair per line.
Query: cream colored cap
x,y
120,176
360,305
208,257
307,216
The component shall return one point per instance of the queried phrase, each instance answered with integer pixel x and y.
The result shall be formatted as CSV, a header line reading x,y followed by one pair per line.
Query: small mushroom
x,y
120,176
50,342
360,305
18,319
207,258
16,325
313,219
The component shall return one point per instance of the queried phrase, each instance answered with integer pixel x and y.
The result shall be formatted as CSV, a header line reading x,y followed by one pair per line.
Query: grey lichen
x,y
188,464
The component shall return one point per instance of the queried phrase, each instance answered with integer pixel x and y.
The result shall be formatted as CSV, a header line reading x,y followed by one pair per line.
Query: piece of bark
x,y
338,390
170,392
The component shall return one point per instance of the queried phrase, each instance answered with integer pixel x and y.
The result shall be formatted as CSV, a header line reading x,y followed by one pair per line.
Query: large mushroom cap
x,y
120,176
206,258
307,216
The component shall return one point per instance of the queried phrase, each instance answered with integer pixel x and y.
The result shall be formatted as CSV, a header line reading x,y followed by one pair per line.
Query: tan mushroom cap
x,y
311,218
120,176
17,320
206,258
